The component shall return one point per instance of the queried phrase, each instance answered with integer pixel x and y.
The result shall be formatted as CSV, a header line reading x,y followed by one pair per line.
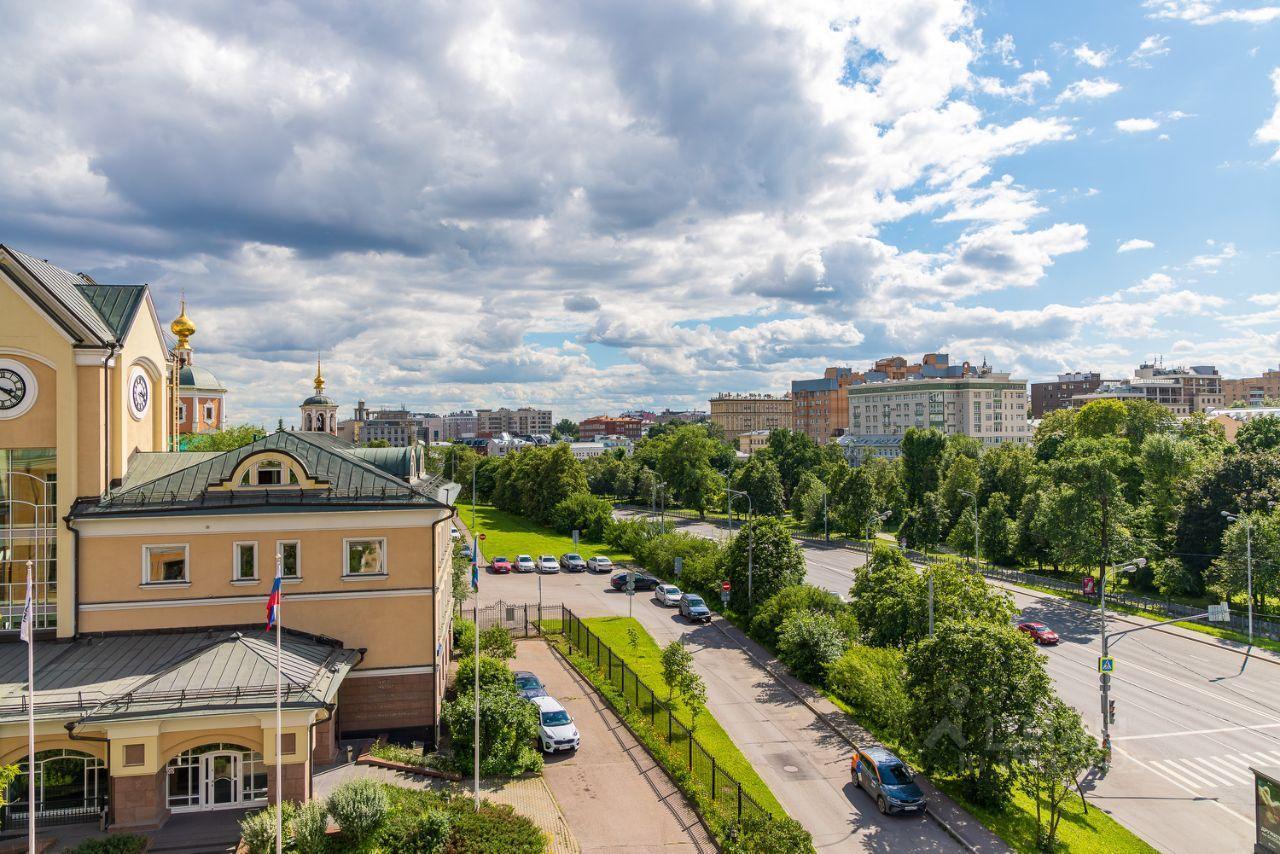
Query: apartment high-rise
x,y
524,421
1252,391
1182,391
741,413
820,407
1050,396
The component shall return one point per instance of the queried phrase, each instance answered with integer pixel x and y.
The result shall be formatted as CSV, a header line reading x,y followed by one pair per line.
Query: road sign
x,y
631,584
1220,613
1106,664
679,565
724,597
1089,585
724,587
481,537
575,538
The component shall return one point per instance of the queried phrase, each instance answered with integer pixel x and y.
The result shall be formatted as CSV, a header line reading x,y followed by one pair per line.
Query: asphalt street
x,y
1193,714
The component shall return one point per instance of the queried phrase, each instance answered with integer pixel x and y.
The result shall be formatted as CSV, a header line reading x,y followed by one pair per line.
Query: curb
x,y
937,819
419,770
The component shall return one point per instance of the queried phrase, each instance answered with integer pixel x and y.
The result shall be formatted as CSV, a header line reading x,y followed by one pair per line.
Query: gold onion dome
x,y
183,327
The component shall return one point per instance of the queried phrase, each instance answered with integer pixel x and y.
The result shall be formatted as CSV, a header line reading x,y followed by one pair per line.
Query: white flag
x,y
28,613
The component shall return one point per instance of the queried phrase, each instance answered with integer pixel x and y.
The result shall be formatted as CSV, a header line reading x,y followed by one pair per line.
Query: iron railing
x,y
705,775
54,813
520,620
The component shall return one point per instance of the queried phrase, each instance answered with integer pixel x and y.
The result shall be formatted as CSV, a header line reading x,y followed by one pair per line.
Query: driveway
x,y
612,794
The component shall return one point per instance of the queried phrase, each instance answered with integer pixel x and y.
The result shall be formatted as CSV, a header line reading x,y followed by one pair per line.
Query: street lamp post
x,y
1105,678
977,565
825,534
751,540
1248,559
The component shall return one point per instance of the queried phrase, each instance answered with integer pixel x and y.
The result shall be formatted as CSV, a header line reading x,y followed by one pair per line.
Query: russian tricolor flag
x,y
273,603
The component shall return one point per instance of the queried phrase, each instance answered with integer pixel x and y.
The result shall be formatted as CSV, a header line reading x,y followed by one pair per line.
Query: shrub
x,y
359,807
508,725
409,830
808,642
492,673
408,756
496,641
585,513
871,680
769,836
259,829
495,829
797,597
117,843
309,826
464,634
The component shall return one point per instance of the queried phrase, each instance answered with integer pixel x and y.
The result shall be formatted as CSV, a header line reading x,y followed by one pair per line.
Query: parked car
x,y
667,594
599,563
555,727
1040,633
886,779
644,581
466,550
453,534
500,564
525,563
529,686
572,562
693,609
548,564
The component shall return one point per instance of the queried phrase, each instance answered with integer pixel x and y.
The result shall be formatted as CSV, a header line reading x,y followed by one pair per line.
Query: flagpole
x,y
28,624
279,765
475,583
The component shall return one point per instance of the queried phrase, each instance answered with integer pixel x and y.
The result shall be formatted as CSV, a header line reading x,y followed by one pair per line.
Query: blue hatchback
x,y
887,779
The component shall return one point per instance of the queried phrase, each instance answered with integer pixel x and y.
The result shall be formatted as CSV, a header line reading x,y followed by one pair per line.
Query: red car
x,y
500,564
1040,633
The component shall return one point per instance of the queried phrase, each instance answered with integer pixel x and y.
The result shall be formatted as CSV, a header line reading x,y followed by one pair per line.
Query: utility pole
x,y
825,534
1104,677
1248,559
751,539
977,565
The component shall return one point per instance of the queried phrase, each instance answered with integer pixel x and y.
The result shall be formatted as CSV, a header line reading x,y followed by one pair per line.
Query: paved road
x,y
803,762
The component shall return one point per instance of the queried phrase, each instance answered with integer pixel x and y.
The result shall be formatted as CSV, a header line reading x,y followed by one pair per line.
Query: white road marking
x,y
1193,732
1199,769
1249,820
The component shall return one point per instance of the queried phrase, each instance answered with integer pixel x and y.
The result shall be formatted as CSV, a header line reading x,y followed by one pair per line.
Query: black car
x,y
693,609
529,685
573,562
644,581
886,779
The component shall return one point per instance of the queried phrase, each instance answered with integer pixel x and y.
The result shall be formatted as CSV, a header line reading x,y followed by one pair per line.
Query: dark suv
x,y
573,562
887,779
644,581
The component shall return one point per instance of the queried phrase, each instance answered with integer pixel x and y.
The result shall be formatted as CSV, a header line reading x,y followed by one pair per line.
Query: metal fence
x,y
521,620
704,774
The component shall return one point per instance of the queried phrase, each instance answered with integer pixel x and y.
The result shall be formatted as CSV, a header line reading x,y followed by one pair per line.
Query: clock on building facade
x,y
139,392
17,388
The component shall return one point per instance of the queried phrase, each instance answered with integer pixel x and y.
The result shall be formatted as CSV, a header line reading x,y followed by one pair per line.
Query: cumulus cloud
x,y
1204,12
1212,260
1270,130
1086,55
1136,125
1022,89
1088,90
1149,48
1005,48
581,302
1133,244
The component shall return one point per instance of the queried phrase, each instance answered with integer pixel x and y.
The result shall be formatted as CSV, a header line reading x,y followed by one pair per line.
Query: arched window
x,y
68,784
320,422
309,421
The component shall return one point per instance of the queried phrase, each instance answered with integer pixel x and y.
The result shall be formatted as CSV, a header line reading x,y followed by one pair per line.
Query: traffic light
x,y
1111,711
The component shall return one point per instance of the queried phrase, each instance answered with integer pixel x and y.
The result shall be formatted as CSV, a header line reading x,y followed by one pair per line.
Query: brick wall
x,y
297,782
139,802
381,703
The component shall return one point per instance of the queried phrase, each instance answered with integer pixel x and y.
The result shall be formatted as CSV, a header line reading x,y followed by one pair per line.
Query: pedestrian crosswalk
x,y
1226,769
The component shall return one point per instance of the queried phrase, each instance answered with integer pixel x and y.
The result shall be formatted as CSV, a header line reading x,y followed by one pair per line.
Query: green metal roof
x,y
116,304
191,377
167,483
96,678
395,461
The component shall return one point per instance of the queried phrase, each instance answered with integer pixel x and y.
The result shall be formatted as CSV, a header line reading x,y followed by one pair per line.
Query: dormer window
x,y
269,473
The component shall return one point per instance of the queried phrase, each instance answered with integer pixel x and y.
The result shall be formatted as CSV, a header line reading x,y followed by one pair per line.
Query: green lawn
x,y
1078,833
645,661
508,535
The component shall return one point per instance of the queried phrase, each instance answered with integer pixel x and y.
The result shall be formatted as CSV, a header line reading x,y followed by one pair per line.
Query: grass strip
x,y
508,535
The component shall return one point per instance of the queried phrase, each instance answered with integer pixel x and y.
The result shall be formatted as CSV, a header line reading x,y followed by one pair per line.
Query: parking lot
x,y
613,795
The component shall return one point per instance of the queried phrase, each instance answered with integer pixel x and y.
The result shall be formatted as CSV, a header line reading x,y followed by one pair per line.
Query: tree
x,y
961,477
676,663
1143,418
804,598
1259,434
759,478
776,563
1090,514
1030,543
959,594
794,453
378,443
685,464
1228,575
1056,751
1009,468
809,642
693,692
565,428
997,535
808,484
890,495
923,528
972,716
883,598
1100,419
854,503
1166,463
1055,428
921,462
585,513
508,728
496,641
1209,437
226,439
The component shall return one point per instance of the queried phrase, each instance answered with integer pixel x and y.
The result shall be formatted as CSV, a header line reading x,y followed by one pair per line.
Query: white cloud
x,y
1005,48
1150,47
1082,90
1022,90
1136,125
1270,130
1085,55
1210,261
1134,244
1202,12
1156,283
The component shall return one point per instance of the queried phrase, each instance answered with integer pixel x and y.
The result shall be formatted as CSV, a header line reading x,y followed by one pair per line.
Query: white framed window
x,y
269,473
364,557
182,412
165,564
290,554
208,412
244,561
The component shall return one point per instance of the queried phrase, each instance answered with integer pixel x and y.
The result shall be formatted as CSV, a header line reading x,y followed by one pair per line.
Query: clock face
x,y
139,393
13,388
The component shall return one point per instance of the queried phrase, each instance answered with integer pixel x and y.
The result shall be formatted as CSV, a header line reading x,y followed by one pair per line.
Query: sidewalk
x,y
614,796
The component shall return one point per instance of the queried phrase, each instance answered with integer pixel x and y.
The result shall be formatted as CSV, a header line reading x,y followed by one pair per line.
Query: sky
x,y
596,206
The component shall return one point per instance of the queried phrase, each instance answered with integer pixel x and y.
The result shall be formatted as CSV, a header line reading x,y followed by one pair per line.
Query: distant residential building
x,y
736,414
1182,391
603,425
494,446
600,447
753,440
859,449
1048,397
459,425
1252,391
1233,419
991,407
820,407
399,428
518,422
688,416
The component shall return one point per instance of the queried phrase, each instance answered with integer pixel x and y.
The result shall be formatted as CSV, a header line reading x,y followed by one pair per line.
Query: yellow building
x,y
742,413
155,678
